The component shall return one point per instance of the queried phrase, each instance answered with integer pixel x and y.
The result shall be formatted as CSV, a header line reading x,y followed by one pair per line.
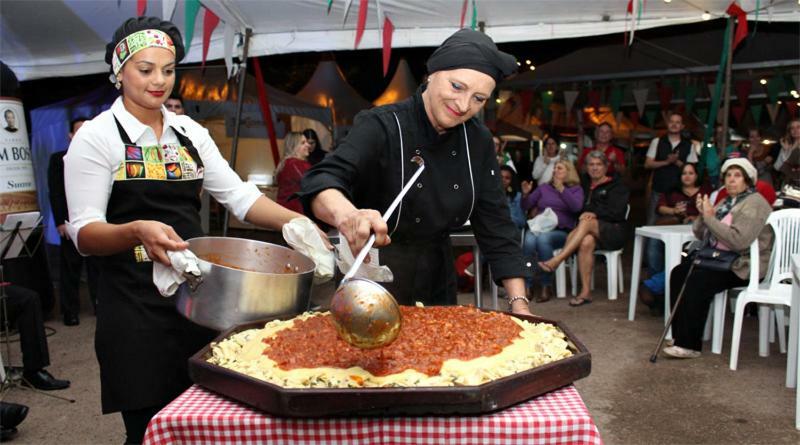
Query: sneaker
x,y
679,352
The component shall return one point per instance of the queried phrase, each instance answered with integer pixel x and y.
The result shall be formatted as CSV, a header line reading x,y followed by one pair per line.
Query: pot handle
x,y
194,281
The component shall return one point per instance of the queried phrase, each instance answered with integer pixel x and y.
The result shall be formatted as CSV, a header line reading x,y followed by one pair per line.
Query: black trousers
x,y
70,278
24,309
136,423
702,285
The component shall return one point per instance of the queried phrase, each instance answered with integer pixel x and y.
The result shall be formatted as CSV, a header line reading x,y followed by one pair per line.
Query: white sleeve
x,y
219,178
692,156
783,155
538,167
88,177
651,152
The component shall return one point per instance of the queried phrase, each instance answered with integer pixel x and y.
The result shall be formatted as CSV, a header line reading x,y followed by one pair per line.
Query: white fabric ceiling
x,y
45,38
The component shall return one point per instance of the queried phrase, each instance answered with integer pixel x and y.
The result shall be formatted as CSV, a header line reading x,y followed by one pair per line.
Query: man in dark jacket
x,y
70,260
601,225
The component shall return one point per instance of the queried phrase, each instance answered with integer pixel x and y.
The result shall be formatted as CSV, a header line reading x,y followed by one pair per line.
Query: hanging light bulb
x,y
527,61
706,15
532,67
763,81
667,1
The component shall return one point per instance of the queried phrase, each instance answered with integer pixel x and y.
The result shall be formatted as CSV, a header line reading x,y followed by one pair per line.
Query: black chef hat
x,y
135,24
473,50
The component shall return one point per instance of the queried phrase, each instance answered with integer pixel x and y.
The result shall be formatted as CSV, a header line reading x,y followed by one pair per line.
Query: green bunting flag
x,y
190,7
616,98
717,93
474,23
775,86
702,114
755,110
547,99
650,117
689,96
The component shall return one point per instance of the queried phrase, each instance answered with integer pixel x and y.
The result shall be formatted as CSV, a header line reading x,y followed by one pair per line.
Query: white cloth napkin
x,y
304,237
167,279
371,271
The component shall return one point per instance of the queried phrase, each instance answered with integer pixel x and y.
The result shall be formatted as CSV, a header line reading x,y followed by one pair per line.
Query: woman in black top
x,y
350,188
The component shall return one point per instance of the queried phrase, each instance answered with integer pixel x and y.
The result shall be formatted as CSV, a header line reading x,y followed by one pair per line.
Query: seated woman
x,y
733,225
564,195
601,225
544,164
291,170
511,188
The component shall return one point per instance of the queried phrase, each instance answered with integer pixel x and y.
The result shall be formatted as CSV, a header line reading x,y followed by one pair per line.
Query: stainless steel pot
x,y
243,280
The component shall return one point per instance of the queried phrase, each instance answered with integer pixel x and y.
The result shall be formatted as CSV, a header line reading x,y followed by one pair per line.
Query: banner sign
x,y
17,185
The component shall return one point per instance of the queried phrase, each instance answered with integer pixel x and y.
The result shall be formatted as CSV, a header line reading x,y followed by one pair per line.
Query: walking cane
x,y
654,357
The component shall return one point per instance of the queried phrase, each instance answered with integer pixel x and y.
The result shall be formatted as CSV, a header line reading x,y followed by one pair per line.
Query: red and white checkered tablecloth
x,y
199,416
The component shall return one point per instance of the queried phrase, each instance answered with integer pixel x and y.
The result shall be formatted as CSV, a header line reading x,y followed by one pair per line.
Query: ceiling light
x,y
667,1
779,102
550,92
795,94
527,61
498,100
763,81
706,15
532,67
563,145
519,64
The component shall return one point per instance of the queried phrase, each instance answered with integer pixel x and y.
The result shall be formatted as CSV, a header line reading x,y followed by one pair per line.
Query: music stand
x,y
13,244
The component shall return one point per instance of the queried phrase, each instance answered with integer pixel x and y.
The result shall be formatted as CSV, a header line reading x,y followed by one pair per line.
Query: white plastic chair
x,y
771,293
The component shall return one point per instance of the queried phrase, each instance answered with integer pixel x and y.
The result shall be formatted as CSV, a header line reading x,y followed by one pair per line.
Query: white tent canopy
x,y
49,38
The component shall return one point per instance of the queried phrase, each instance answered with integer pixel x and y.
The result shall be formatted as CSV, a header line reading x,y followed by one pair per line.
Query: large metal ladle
x,y
366,315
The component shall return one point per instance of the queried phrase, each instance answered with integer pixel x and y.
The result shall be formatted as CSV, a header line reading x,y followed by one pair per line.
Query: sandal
x,y
579,301
543,265
545,296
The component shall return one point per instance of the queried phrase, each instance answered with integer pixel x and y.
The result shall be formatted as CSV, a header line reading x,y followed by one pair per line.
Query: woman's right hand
x,y
157,238
358,225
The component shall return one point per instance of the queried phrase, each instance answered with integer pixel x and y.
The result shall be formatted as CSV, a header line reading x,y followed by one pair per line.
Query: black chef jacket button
x,y
417,151
455,186
419,185
416,220
453,152
458,219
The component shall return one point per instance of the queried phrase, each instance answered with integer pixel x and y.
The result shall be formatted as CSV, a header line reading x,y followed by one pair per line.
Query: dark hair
x,y
515,188
696,173
75,121
176,96
8,110
135,24
310,134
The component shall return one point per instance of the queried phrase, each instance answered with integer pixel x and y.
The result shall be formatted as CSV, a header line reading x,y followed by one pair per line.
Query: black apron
x,y
142,342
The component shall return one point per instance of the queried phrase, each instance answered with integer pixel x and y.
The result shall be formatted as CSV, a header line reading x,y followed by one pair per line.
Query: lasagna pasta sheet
x,y
538,344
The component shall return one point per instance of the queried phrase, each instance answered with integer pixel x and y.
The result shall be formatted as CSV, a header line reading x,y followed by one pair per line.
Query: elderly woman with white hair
x,y
732,225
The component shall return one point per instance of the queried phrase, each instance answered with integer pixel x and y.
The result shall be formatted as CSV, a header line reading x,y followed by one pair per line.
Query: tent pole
x,y
726,104
237,122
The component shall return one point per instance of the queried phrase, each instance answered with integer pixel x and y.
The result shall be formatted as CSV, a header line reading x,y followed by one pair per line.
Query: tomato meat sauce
x,y
428,337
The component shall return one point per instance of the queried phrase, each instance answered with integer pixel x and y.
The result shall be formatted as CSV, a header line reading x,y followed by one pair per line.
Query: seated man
x,y
601,225
615,155
24,310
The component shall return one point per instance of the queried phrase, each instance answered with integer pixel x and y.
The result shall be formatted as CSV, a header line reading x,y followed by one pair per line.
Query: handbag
x,y
543,222
711,258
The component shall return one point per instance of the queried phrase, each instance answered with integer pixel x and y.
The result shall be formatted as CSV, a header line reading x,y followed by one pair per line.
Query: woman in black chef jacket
x,y
133,181
350,188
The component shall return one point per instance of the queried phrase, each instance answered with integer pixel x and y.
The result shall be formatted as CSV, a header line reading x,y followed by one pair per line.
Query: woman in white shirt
x,y
544,164
133,177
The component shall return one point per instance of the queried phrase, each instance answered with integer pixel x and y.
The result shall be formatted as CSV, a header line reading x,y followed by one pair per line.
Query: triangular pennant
x,y
594,99
743,88
616,98
634,117
347,4
689,96
474,23
547,99
190,9
650,117
141,7
791,107
640,97
795,82
664,96
167,9
675,84
738,112
230,33
210,22
741,23
774,88
463,13
702,115
526,99
569,99
755,110
772,110
330,5
711,88
363,7
388,29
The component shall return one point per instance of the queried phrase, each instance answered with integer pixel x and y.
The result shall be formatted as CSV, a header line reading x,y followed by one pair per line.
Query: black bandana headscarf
x,y
472,50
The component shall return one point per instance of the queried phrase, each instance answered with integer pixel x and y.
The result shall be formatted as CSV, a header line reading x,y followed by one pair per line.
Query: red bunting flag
x,y
741,22
266,111
463,13
743,88
791,107
738,112
594,99
664,96
388,29
526,99
634,116
141,7
210,21
363,7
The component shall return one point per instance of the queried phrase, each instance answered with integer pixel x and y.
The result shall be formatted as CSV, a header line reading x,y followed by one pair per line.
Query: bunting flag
x,y
191,7
463,13
266,111
141,7
526,100
741,23
616,98
594,99
689,96
702,114
664,96
755,110
474,23
716,93
634,117
774,88
650,117
547,99
330,5
210,22
791,107
712,86
230,33
388,29
363,7
634,9
795,82
640,97
347,4
569,99
743,88
738,112
772,110
167,9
